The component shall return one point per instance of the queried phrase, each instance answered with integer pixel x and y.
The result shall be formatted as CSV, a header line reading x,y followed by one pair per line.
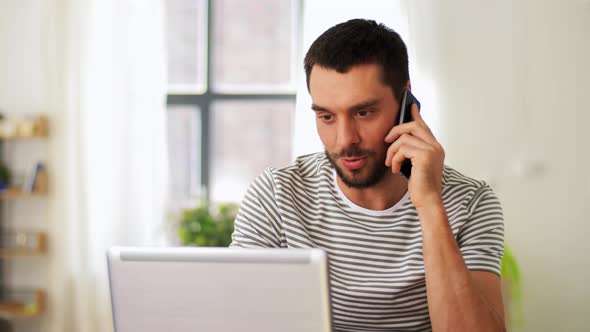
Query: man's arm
x,y
257,223
458,300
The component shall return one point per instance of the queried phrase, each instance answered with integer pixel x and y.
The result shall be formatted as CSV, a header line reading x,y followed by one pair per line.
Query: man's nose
x,y
348,133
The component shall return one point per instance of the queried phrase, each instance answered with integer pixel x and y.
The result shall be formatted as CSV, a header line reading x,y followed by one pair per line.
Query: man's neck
x,y
381,196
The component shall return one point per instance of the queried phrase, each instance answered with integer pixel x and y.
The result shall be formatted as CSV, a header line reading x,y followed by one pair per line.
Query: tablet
x,y
219,289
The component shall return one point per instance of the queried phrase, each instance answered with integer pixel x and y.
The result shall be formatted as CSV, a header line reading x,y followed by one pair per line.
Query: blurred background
x,y
119,115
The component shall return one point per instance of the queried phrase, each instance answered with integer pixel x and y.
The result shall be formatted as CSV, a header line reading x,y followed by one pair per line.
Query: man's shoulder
x,y
306,173
453,177
305,167
460,187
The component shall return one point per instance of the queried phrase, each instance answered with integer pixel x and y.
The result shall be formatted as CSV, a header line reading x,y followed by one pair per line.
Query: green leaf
x,y
199,227
512,275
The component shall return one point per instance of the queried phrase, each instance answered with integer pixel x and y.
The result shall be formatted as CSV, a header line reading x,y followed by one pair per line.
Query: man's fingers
x,y
416,116
398,158
413,128
408,141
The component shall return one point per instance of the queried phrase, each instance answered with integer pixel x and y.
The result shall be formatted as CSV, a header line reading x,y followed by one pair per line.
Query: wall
x,y
513,79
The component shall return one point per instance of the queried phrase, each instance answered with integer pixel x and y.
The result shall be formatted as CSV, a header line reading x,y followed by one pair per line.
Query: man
x,y
405,255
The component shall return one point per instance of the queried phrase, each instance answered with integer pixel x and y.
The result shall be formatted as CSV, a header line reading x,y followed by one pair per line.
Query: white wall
x,y
512,79
22,78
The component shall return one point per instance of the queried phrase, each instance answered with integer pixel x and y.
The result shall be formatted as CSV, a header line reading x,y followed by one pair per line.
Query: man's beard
x,y
375,174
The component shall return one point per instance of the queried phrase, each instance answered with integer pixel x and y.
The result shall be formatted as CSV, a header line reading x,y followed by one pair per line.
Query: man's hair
x,y
359,42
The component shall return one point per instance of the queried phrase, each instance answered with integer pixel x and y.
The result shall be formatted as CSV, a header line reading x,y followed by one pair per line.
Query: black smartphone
x,y
405,115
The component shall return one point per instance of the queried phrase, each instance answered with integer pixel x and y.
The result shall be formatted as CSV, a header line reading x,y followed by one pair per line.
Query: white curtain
x,y
106,62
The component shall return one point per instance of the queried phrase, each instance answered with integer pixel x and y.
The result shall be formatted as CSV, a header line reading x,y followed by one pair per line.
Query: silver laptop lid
x,y
219,289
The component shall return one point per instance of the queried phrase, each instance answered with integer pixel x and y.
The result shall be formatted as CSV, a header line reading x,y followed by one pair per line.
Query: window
x,y
231,100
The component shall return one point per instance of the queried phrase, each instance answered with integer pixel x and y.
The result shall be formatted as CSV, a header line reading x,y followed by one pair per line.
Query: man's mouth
x,y
353,163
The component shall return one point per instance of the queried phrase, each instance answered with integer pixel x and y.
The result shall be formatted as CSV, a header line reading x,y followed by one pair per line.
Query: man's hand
x,y
414,140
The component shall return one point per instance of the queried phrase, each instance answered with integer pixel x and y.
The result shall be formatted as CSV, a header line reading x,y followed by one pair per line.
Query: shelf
x,y
25,129
19,244
22,303
16,193
22,138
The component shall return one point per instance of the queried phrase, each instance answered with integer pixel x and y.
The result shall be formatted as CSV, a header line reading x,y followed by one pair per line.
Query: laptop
x,y
219,289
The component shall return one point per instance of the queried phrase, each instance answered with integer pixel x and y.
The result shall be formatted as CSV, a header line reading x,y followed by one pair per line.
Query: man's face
x,y
354,112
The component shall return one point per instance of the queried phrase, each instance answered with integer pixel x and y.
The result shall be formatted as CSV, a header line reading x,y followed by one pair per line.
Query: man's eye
x,y
363,114
326,117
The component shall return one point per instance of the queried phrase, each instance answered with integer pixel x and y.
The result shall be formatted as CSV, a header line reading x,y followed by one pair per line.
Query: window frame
x,y
204,101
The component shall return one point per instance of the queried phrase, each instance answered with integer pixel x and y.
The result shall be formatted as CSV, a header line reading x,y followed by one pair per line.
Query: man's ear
x,y
409,85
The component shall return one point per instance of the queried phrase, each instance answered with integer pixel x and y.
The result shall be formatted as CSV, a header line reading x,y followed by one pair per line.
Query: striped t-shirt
x,y
375,257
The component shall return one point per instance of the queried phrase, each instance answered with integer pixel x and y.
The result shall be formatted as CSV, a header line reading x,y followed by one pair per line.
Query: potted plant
x,y
512,288
199,227
4,177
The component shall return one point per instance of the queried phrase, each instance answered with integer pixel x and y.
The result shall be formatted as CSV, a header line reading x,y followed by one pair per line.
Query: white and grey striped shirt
x,y
376,263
